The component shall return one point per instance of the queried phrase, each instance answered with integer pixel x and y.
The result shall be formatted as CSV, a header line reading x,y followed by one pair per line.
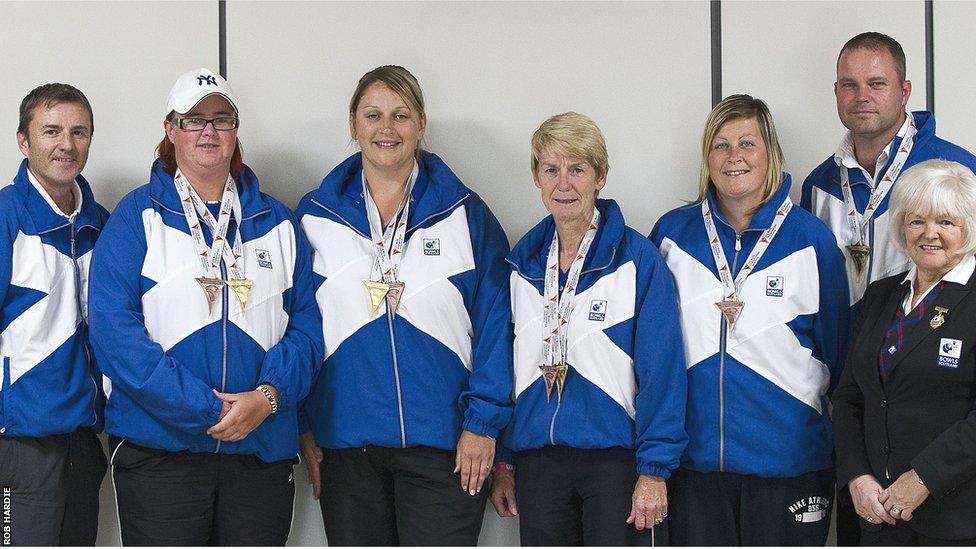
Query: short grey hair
x,y
936,187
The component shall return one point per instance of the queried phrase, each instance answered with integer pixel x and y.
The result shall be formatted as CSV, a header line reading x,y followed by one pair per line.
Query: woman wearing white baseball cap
x,y
204,322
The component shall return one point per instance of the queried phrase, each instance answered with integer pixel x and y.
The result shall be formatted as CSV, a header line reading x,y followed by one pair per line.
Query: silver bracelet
x,y
266,391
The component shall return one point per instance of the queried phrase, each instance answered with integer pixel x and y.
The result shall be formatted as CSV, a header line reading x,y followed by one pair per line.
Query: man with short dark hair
x,y
50,396
850,190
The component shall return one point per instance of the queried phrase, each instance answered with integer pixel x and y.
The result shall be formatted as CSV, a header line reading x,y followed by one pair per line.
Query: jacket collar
x,y
767,212
530,253
436,190
162,190
45,218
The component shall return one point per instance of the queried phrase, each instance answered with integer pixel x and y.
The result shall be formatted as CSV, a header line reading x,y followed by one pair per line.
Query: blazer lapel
x,y
883,321
948,298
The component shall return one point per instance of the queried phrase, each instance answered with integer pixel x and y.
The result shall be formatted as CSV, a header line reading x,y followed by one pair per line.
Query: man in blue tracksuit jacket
x,y
50,395
396,392
622,411
872,93
203,386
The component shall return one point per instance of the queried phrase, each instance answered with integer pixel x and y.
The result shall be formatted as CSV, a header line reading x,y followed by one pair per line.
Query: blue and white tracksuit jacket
x,y
164,352
822,196
443,362
757,399
48,380
626,385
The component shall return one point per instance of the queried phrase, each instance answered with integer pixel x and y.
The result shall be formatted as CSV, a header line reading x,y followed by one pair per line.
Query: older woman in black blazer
x,y
904,418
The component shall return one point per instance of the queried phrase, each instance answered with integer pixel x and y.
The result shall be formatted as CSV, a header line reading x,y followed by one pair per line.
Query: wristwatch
x,y
268,394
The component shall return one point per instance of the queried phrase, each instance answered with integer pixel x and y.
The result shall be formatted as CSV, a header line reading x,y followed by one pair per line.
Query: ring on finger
x,y
658,520
869,519
486,467
895,512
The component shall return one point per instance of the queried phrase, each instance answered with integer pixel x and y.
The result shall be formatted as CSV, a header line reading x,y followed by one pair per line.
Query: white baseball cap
x,y
195,85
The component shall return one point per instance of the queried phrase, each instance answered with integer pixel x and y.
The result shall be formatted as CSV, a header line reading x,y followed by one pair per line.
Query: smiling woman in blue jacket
x,y
411,280
204,321
599,401
763,300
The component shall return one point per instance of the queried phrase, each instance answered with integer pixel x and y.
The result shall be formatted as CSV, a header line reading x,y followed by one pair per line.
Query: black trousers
x,y
572,497
53,484
397,496
902,535
184,498
848,522
728,509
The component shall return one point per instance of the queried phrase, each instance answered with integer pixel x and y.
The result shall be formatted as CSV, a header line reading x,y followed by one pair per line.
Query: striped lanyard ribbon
x,y
858,222
388,242
195,209
730,286
557,308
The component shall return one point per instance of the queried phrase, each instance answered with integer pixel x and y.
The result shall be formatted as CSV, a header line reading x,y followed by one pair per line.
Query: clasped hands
x,y
240,413
875,504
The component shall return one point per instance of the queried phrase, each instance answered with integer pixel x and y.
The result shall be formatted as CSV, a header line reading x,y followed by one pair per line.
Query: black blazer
x,y
923,417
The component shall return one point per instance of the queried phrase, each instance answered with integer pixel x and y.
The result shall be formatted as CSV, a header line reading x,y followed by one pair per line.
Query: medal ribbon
x,y
857,221
557,308
731,286
387,259
194,205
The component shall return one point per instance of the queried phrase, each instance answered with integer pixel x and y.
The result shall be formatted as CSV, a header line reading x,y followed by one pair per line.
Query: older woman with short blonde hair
x,y
599,405
905,430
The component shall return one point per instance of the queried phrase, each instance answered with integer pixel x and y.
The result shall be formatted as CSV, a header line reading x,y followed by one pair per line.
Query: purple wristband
x,y
502,466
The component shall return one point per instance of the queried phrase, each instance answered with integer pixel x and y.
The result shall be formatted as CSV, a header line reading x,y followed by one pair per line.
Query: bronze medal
x,y
554,375
211,288
377,292
859,253
393,296
731,309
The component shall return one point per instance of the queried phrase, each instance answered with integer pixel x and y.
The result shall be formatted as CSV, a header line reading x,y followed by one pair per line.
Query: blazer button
x,y
884,403
884,449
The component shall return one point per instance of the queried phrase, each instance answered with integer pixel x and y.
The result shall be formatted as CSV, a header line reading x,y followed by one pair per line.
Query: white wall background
x,y
491,73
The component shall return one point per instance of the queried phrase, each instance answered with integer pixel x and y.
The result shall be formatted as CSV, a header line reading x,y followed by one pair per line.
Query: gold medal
x,y
393,296
859,253
939,318
242,289
377,291
554,375
731,309
211,288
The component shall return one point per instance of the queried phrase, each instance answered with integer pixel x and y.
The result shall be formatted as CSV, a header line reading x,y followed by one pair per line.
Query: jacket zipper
x,y
78,290
223,321
721,369
396,378
552,422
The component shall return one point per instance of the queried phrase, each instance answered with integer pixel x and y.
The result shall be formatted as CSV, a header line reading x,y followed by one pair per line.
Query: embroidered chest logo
x,y
432,246
774,286
264,258
811,509
949,352
598,310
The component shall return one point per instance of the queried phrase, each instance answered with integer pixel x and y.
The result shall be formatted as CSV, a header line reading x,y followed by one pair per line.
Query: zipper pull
x,y
738,243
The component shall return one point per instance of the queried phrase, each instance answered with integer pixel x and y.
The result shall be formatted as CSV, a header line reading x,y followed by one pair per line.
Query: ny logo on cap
x,y
206,79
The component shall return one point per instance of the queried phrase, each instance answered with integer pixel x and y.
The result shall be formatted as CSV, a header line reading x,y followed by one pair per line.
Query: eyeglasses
x,y
195,124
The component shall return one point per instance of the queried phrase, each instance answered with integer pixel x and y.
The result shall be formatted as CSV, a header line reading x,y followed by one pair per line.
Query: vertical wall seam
x,y
716,24
222,36
929,58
